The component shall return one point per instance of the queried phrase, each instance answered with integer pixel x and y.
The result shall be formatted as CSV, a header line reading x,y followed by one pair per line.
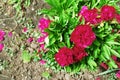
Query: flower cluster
x,y
42,25
94,16
86,38
66,56
83,36
2,34
2,37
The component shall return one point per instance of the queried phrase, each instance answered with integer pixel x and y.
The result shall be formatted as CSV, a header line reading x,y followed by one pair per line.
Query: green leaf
x,y
64,18
52,39
68,69
102,58
96,52
106,52
112,43
54,4
26,57
50,12
97,43
17,7
61,44
27,3
100,35
112,64
92,63
83,66
114,52
13,1
46,75
67,39
76,68
67,3
95,3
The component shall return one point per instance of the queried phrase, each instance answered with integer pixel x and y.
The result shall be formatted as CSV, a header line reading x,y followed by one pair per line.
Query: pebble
x,y
67,77
33,45
30,49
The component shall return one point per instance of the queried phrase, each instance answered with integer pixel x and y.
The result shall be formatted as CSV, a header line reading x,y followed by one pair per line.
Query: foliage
x,y
19,4
46,75
26,57
3,64
64,17
112,76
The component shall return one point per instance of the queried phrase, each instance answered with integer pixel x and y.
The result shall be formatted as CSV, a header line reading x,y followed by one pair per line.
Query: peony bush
x,y
76,35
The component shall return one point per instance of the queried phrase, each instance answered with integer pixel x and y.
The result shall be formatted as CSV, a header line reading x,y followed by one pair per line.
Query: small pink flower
x,y
1,47
41,39
118,74
10,34
98,78
25,29
42,62
45,34
43,23
104,65
42,46
30,39
114,57
2,34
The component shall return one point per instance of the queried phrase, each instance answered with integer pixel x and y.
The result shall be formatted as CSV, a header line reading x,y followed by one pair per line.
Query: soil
x,y
17,70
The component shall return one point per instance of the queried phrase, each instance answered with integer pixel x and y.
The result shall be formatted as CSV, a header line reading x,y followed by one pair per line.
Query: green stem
x,y
106,72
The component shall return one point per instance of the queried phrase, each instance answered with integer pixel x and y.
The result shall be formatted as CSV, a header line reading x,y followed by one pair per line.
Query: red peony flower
x,y
83,36
78,53
118,74
108,12
64,57
84,8
89,15
43,23
117,16
104,65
